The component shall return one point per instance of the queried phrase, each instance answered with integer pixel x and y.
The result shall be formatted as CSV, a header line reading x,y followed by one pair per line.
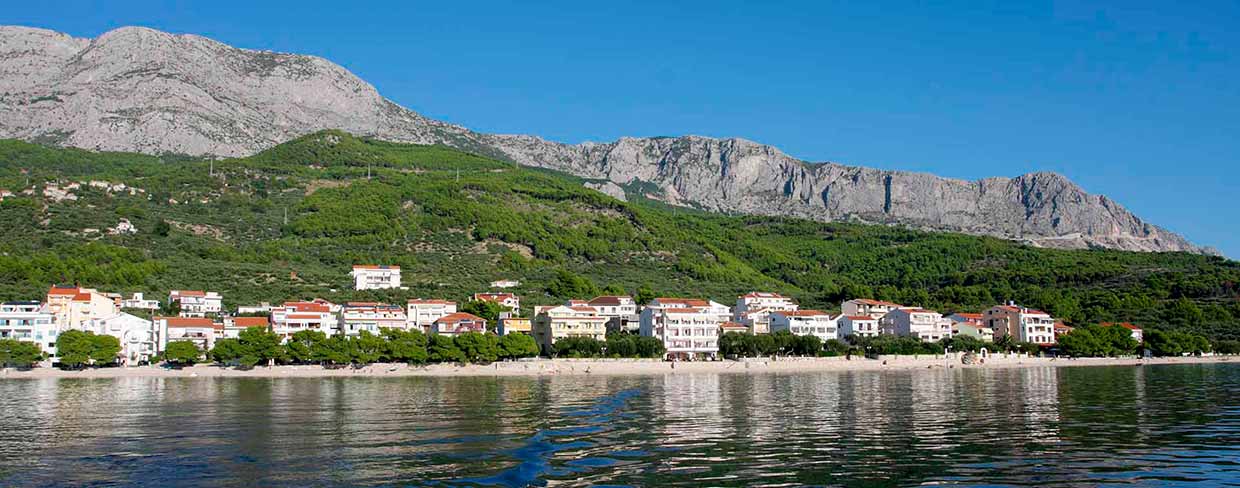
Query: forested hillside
x,y
289,222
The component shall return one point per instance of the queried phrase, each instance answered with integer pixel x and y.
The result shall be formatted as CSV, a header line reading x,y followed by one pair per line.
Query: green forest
x,y
288,223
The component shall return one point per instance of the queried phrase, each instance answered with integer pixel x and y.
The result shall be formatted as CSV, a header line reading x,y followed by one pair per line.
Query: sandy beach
x,y
550,367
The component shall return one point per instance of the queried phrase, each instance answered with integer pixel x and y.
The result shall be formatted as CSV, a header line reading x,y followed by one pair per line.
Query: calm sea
x,y
1144,426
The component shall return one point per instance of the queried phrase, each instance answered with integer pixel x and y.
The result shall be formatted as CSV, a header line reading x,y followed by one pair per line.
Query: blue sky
x,y
1135,100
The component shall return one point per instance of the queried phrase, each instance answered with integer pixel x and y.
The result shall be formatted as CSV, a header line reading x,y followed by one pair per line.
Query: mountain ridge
x,y
143,90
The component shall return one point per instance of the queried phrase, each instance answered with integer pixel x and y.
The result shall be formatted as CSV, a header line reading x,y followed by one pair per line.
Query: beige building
x,y
864,306
927,325
74,307
375,277
806,322
421,312
555,323
517,325
1022,324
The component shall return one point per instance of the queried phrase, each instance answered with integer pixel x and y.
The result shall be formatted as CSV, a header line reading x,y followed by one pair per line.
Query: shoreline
x,y
605,367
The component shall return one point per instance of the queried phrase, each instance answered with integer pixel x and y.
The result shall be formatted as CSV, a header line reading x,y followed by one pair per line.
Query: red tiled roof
x,y
970,316
375,266
187,322
58,291
303,316
308,307
861,317
251,321
82,297
868,301
584,309
1125,325
454,318
682,310
187,293
732,325
493,296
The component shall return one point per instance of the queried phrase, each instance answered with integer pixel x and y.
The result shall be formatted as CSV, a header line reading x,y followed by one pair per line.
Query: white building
x,y
199,330
555,323
619,310
458,323
197,303
140,338
864,306
505,284
858,325
29,321
375,277
688,327
370,316
754,310
420,313
261,308
140,302
805,322
927,325
293,317
1023,324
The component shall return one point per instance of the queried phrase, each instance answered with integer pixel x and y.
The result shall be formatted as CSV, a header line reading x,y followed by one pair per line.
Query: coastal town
x,y
686,328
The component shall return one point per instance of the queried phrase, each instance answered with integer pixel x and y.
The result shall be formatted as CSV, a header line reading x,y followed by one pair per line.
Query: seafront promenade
x,y
552,367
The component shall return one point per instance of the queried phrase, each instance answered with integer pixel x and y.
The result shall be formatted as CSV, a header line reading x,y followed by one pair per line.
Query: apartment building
x,y
375,277
515,325
927,325
971,325
421,313
754,310
688,327
370,316
29,321
864,306
197,303
858,325
73,307
233,326
620,312
139,338
1022,324
292,317
199,330
555,323
805,322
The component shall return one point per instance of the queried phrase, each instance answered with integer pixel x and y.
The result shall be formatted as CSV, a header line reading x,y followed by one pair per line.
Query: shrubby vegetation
x,y
615,346
258,345
77,349
19,354
289,222
182,353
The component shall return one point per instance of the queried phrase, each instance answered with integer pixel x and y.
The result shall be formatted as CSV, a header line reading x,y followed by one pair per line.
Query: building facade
x,y
421,313
140,338
139,302
197,303
858,325
754,310
200,331
555,323
293,317
864,306
1021,324
74,307
620,311
515,325
458,323
29,321
370,316
926,325
806,322
375,277
688,327
504,299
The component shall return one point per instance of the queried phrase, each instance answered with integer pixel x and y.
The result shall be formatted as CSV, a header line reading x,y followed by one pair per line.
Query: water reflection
x,y
1148,425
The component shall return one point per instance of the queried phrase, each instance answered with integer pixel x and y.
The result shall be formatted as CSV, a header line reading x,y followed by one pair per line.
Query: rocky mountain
x,y
137,89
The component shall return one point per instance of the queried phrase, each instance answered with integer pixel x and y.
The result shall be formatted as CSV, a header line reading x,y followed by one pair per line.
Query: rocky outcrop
x,y
137,89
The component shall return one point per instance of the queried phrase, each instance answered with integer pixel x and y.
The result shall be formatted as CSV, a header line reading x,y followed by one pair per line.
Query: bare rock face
x,y
137,89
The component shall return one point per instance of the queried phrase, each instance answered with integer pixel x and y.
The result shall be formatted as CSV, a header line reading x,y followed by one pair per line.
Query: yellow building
x,y
556,323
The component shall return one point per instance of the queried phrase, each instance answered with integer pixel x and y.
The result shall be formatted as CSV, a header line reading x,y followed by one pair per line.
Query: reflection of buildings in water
x,y
1038,396
691,409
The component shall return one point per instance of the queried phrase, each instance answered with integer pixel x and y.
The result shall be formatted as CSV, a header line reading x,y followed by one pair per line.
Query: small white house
x,y
858,325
